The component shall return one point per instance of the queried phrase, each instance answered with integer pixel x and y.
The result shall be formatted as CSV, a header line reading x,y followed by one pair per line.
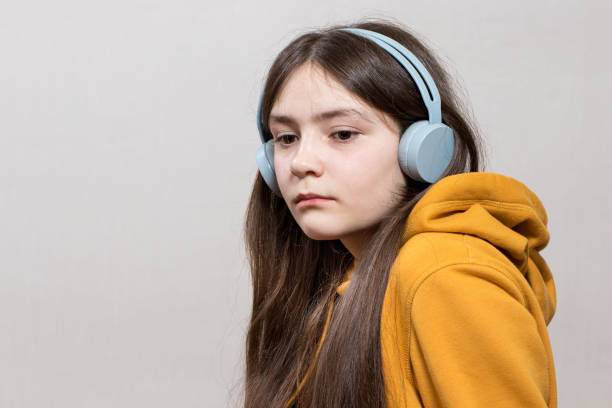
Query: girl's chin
x,y
320,235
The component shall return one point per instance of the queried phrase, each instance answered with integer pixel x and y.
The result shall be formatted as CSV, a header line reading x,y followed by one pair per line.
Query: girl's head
x,y
336,104
330,142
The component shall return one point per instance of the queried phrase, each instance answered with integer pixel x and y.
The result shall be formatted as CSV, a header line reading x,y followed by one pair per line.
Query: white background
x,y
127,155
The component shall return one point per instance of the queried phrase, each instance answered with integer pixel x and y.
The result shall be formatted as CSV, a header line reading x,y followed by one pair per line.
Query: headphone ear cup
x,y
265,162
425,150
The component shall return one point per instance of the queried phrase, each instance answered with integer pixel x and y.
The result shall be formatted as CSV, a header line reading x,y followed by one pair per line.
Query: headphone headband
x,y
415,68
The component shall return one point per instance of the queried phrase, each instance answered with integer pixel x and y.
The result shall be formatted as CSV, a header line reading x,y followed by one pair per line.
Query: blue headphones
x,y
425,148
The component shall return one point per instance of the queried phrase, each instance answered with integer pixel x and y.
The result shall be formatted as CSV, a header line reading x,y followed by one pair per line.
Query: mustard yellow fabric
x,y
468,299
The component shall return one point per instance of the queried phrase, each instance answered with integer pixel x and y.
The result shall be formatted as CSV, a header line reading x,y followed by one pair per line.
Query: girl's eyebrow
x,y
319,117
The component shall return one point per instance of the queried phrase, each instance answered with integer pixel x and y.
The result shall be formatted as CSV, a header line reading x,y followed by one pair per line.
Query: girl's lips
x,y
312,201
307,196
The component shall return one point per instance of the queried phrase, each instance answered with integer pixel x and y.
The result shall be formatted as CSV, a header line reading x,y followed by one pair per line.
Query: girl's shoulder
x,y
446,265
445,253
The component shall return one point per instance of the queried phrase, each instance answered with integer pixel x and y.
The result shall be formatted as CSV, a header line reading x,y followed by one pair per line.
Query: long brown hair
x,y
295,277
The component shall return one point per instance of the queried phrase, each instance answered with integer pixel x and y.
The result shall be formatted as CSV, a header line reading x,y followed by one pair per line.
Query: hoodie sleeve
x,y
474,343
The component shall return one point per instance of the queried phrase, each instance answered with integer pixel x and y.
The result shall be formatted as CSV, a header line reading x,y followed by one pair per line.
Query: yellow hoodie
x,y
468,300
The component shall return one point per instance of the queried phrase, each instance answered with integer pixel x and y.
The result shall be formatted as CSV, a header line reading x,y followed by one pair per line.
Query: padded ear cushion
x,y
265,162
425,150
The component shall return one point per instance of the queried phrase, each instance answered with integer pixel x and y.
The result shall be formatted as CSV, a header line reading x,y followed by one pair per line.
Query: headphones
x,y
425,148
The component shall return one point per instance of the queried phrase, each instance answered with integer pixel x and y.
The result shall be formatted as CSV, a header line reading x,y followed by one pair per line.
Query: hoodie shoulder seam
x,y
424,275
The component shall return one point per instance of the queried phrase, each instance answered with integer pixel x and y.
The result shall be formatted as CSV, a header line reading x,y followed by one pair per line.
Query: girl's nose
x,y
308,157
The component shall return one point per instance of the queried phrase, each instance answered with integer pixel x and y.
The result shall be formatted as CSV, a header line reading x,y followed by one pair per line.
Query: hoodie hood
x,y
514,221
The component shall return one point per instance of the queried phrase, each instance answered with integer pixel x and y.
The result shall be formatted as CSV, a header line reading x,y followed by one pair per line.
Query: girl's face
x,y
330,143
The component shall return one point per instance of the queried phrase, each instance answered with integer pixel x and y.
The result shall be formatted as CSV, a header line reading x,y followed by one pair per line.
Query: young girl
x,y
388,270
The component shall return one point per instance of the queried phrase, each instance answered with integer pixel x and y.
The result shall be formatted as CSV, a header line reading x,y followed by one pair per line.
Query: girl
x,y
388,270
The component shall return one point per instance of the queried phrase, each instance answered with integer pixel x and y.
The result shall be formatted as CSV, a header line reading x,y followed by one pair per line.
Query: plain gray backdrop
x,y
127,155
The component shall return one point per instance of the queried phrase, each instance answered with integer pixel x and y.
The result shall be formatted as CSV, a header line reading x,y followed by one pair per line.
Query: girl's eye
x,y
283,138
342,136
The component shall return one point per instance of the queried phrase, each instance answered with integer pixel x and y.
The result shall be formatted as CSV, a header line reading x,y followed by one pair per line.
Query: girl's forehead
x,y
314,88
312,94
318,101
